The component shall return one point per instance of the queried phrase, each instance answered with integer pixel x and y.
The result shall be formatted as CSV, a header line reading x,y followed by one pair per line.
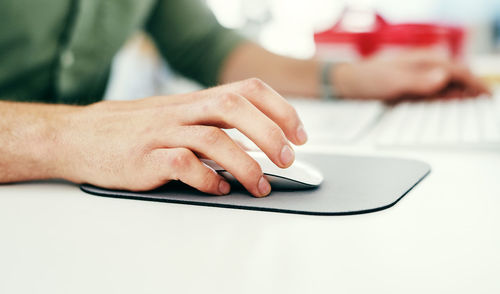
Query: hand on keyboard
x,y
416,73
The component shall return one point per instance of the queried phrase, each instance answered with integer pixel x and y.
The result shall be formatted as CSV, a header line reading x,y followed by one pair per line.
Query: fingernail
x,y
286,155
264,187
224,187
301,134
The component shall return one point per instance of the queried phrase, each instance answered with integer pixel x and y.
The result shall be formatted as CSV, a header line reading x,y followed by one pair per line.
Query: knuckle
x,y
228,101
212,135
287,113
253,170
254,84
209,182
275,133
179,159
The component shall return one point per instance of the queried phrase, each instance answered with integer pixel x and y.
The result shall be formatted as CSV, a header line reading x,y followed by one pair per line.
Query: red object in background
x,y
384,34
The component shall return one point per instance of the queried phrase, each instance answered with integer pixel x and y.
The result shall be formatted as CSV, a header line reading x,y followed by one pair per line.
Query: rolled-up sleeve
x,y
190,38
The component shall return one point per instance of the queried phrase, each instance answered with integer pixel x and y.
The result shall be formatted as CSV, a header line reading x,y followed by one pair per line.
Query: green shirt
x,y
60,51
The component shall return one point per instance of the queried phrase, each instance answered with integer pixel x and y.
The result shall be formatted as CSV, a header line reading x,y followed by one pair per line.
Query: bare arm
x,y
418,73
143,144
29,142
286,75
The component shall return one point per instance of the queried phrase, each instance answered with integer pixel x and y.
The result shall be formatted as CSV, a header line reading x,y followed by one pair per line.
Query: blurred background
x,y
287,26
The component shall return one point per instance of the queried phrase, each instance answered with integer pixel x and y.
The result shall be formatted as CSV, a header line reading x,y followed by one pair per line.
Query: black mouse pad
x,y
352,185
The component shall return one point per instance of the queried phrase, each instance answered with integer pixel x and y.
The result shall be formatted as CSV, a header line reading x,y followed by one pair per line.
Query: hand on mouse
x,y
416,73
143,144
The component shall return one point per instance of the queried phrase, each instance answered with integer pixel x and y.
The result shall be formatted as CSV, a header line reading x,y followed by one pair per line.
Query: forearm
x,y
29,143
289,76
417,73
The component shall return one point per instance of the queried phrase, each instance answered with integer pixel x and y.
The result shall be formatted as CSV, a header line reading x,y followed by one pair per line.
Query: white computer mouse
x,y
298,176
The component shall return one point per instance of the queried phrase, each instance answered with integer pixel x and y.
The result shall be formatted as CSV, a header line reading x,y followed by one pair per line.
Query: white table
x,y
443,237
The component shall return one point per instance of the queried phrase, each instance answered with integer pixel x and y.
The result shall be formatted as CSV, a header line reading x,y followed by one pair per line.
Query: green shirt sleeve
x,y
190,38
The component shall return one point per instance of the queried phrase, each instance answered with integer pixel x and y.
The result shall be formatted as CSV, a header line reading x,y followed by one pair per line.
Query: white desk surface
x,y
443,237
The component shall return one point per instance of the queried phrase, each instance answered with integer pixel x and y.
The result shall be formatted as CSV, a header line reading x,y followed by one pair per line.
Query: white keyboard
x,y
473,122
337,121
333,122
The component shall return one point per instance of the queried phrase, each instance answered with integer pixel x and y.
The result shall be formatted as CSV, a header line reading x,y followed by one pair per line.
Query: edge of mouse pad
x,y
423,167
146,196
97,191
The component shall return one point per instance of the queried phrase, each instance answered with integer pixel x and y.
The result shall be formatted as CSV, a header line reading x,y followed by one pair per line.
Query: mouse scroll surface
x,y
298,176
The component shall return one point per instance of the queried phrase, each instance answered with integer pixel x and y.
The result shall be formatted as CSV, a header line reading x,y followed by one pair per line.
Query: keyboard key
x,y
457,122
430,125
337,121
489,124
470,127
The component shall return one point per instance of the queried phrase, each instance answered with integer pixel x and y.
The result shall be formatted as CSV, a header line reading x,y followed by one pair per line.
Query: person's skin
x,y
415,73
142,144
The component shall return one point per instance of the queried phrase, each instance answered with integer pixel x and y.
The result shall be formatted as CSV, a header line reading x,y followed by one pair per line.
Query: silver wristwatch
x,y
328,90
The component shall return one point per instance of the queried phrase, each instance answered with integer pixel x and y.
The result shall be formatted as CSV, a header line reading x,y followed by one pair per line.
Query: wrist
x,y
55,142
340,78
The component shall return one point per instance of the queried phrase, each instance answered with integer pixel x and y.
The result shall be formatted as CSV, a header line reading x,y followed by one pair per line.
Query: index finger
x,y
274,106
